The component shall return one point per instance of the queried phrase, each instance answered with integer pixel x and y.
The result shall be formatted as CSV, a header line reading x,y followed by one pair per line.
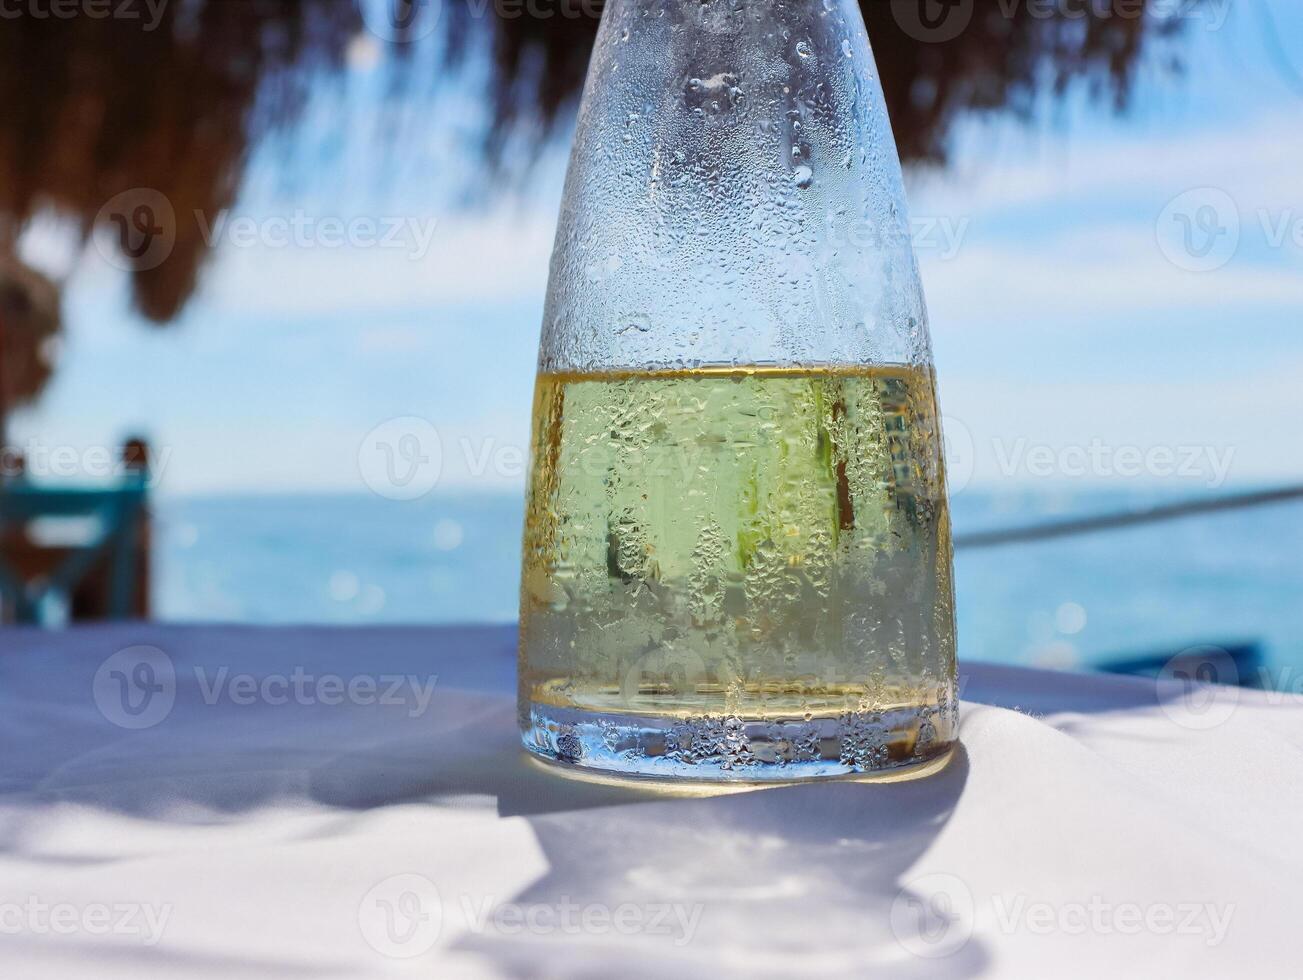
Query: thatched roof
x,y
30,321
95,107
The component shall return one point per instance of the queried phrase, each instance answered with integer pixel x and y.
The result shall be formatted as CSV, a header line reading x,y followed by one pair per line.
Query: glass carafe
x,y
737,558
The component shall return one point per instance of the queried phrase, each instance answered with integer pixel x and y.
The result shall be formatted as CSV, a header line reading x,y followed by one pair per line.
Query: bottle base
x,y
899,743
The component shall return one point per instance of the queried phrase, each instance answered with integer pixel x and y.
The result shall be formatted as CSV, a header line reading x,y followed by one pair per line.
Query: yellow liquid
x,y
736,545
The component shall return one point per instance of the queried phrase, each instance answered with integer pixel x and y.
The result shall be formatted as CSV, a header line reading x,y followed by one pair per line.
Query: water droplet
x,y
803,49
846,48
803,176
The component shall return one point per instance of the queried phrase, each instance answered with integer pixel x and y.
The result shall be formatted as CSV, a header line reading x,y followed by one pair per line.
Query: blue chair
x,y
111,565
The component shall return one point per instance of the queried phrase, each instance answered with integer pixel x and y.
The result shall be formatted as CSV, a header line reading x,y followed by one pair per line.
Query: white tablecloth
x,y
239,822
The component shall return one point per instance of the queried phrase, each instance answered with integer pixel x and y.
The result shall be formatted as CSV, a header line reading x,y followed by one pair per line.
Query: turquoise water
x,y
1231,577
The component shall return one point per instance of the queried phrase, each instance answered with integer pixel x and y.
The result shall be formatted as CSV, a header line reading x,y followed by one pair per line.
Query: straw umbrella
x,y
98,107
30,322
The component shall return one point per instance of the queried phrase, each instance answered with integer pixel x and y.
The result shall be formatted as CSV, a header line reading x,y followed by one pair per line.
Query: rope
x,y
1104,522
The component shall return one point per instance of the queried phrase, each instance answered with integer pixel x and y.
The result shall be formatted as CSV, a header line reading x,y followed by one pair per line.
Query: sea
x,y
1223,579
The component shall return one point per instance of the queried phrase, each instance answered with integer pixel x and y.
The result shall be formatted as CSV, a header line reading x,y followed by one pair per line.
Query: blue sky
x,y
1058,321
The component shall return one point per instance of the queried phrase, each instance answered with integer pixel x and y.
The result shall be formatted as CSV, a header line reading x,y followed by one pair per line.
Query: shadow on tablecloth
x,y
792,880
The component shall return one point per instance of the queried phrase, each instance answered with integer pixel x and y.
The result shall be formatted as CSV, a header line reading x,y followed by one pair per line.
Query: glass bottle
x,y
737,557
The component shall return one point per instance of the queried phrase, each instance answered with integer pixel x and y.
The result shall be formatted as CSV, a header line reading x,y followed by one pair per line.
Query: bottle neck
x,y
734,183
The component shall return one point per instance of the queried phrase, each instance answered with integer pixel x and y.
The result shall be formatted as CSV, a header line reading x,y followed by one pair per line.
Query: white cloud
x,y
1257,163
502,256
1105,271
1247,420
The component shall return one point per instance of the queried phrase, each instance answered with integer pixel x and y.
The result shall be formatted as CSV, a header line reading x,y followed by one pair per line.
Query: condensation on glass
x,y
737,558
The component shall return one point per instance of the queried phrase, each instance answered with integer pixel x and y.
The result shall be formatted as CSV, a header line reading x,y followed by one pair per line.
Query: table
x,y
232,802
